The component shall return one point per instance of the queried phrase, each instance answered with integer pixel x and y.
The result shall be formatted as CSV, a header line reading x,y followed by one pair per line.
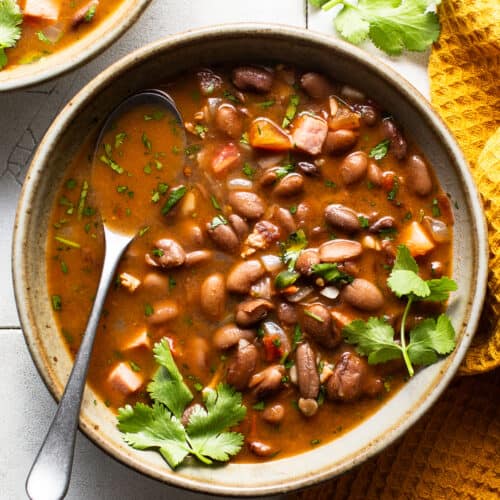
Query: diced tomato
x,y
46,10
266,134
272,347
416,239
388,180
309,133
227,159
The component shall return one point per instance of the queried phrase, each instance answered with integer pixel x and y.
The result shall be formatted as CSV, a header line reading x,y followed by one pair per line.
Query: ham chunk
x,y
43,10
123,379
309,133
227,159
140,341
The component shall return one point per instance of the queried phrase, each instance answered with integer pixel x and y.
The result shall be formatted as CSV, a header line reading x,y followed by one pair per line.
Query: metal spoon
x,y
50,473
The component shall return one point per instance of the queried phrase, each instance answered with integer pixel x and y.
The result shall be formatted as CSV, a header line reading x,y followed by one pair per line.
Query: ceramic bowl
x,y
159,62
87,47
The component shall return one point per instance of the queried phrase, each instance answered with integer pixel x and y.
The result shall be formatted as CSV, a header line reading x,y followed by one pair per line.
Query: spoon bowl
x,y
50,473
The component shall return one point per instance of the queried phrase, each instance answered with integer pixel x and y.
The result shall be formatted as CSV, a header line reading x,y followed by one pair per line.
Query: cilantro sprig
x,y
159,426
11,19
392,25
428,340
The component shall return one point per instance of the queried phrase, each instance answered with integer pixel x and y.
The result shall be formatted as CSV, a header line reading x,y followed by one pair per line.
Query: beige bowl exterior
x,y
77,53
158,62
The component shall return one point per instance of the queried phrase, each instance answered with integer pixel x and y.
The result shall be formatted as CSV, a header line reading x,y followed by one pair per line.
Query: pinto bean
x,y
163,311
307,373
303,214
308,168
369,114
419,179
268,178
169,254
374,173
82,15
229,335
317,323
285,219
225,238
198,257
308,406
339,250
307,258
316,86
243,274
252,311
342,217
246,204
155,281
363,295
287,314
213,295
340,141
229,121
290,185
261,449
386,222
398,146
267,381
274,414
239,225
353,167
254,79
208,81
242,365
351,379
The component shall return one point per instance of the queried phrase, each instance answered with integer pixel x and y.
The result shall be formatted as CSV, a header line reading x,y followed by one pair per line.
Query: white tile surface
x,y
26,405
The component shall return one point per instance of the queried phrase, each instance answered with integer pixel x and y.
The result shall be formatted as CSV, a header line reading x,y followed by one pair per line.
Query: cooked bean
x,y
275,331
242,365
285,220
340,141
339,250
308,168
198,257
169,254
229,120
351,379
195,234
386,222
243,274
252,311
369,114
246,204
307,258
339,321
213,295
308,406
163,312
229,335
268,178
287,314
290,185
419,179
316,86
82,15
317,323
254,79
398,147
261,449
363,295
303,214
208,81
224,237
267,381
155,281
342,217
274,414
353,167
307,372
239,225
374,173
200,348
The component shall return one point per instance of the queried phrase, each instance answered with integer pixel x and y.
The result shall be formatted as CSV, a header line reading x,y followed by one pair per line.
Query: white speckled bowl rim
x,y
240,43
77,53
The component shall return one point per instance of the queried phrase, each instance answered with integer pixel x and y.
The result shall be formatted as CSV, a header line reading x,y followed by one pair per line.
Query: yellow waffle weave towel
x,y
464,72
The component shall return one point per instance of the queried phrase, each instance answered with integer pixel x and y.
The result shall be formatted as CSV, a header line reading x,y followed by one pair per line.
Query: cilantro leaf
x,y
404,261
147,427
408,282
219,447
11,19
174,197
351,25
373,338
167,386
292,247
440,289
380,150
430,338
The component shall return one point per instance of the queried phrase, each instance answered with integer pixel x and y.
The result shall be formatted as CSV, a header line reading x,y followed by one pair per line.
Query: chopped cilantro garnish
x,y
43,37
56,302
155,115
11,19
259,406
146,142
267,104
192,149
284,170
331,273
291,110
148,310
292,247
174,197
89,15
230,96
244,138
363,221
159,426
120,139
286,278
391,195
135,367
218,220
313,316
248,170
143,230
380,150
293,209
215,203
436,211
65,241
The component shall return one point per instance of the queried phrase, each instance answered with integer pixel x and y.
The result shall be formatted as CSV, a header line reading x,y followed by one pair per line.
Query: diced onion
x,y
330,292
438,229
262,289
270,161
301,294
54,32
213,104
239,183
272,263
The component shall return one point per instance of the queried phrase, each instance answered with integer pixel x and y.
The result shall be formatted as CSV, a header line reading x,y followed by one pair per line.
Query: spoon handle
x,y
49,476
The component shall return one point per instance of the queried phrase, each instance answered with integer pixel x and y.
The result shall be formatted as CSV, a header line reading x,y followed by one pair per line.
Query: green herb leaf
x,y
11,19
291,110
218,220
440,289
248,170
380,150
408,282
331,273
286,278
292,247
56,302
174,197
